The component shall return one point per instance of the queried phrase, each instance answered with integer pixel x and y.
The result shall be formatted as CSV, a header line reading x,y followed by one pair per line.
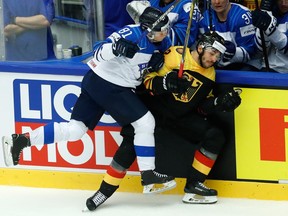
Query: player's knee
x,y
74,130
125,154
146,124
214,141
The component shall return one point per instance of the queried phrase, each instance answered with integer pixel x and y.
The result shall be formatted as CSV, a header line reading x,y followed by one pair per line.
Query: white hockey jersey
x,y
121,70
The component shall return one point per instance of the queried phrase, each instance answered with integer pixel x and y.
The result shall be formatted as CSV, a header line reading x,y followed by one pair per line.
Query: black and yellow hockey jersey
x,y
180,104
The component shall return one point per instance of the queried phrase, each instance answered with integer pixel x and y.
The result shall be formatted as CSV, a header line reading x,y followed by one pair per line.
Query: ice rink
x,y
24,201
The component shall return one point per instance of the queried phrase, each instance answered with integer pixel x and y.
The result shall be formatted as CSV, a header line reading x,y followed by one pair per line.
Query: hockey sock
x,y
201,166
107,189
112,180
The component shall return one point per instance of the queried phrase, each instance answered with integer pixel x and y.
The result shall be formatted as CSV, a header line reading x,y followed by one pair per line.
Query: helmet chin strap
x,y
151,35
201,55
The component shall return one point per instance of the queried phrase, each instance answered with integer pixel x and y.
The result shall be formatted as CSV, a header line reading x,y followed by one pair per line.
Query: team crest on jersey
x,y
191,91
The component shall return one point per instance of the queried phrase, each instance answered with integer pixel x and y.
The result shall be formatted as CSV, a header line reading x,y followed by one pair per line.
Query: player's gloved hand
x,y
124,47
228,101
259,41
156,62
264,20
174,84
229,52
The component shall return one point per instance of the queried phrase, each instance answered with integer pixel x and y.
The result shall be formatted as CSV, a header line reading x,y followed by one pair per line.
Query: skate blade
x,y
7,145
198,199
159,188
84,210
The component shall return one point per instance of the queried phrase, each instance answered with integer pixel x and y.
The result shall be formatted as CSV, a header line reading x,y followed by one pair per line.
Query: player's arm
x,y
116,45
266,22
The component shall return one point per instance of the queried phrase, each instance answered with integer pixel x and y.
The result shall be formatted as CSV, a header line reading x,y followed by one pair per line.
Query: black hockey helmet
x,y
149,16
212,39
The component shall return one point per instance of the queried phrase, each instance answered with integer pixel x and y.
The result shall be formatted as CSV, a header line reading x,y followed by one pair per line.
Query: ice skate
x,y
12,148
95,201
155,182
198,193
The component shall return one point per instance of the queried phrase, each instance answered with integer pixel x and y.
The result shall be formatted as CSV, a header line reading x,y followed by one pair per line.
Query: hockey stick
x,y
181,68
162,17
208,2
263,44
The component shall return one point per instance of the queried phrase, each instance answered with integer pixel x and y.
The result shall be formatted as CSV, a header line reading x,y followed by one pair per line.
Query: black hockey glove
x,y
229,52
124,47
228,101
156,62
174,84
264,20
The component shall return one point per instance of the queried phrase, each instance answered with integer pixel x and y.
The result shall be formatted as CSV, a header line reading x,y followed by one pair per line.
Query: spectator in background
x,y
273,21
27,29
115,15
234,23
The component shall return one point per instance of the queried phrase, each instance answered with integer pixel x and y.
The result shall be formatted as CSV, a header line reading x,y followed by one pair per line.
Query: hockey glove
x,y
264,20
124,47
156,62
228,101
229,52
174,84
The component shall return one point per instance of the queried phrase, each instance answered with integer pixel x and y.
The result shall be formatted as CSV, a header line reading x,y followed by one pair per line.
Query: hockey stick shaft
x,y
208,2
263,44
162,17
181,68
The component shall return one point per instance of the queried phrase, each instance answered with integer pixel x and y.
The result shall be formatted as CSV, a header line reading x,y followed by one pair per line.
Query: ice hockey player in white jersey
x,y
178,16
117,68
234,23
273,21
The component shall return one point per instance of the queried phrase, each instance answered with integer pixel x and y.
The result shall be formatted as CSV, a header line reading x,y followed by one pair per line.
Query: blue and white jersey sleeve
x,y
278,52
179,17
279,37
238,28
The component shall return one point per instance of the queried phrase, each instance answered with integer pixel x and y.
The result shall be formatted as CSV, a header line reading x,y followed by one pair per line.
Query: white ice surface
x,y
24,201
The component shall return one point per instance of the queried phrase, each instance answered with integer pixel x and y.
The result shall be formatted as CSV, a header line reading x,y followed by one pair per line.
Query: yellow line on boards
x,y
131,183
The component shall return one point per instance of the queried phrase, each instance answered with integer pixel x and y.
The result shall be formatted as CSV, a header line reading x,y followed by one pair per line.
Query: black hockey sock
x,y
107,189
